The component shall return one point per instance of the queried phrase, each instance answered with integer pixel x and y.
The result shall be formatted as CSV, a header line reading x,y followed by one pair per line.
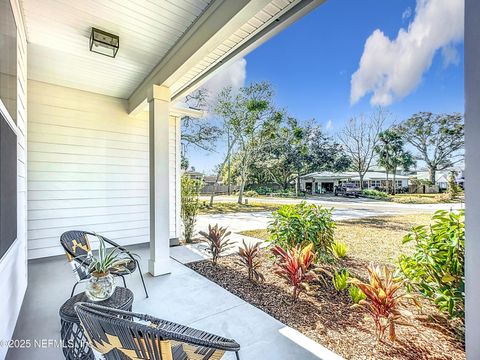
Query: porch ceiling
x,y
58,40
178,43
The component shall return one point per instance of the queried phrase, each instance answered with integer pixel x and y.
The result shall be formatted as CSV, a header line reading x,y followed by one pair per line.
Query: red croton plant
x,y
294,264
384,300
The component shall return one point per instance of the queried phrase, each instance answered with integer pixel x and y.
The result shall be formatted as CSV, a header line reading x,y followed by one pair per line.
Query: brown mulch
x,y
326,316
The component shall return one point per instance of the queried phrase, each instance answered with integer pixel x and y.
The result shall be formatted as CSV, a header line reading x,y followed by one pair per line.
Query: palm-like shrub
x,y
190,205
339,249
356,295
302,224
249,257
436,269
340,279
217,239
294,264
383,300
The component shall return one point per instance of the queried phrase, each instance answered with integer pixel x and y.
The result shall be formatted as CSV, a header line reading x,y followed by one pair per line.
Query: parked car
x,y
347,189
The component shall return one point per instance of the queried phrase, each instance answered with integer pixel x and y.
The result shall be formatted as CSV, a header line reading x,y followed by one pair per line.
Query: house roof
x,y
370,175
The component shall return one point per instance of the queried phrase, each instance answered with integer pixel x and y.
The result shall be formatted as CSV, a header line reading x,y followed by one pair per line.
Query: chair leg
x,y
124,282
141,276
73,290
236,355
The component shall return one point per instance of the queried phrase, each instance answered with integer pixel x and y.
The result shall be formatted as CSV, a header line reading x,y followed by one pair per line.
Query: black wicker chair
x,y
118,335
77,248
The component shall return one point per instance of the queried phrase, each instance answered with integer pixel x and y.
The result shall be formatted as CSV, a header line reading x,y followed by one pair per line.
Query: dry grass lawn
x,y
377,239
233,207
425,198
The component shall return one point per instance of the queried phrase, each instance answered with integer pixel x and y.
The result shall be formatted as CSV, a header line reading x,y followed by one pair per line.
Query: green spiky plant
x,y
340,279
339,249
356,295
106,260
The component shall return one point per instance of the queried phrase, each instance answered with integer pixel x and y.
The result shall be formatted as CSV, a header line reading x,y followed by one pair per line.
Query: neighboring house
x,y
441,177
195,175
325,181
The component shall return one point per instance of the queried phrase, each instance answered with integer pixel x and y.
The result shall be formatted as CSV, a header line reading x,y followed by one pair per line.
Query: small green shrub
x,y
190,204
251,193
340,279
356,295
437,267
339,249
376,194
301,224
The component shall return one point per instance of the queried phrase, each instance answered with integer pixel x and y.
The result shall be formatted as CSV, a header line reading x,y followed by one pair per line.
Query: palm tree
x,y
391,155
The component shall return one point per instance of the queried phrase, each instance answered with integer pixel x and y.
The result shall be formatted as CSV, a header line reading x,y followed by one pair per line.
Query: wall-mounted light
x,y
104,43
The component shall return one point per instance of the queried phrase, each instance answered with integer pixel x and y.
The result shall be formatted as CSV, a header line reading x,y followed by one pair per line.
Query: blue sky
x,y
311,64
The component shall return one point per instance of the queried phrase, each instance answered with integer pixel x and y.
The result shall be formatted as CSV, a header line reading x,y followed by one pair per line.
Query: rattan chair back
x,y
77,248
118,334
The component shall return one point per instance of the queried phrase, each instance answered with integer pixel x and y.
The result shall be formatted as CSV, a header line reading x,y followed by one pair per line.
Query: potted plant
x,y
102,283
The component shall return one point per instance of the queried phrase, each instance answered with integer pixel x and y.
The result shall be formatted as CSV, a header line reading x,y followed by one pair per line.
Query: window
x,y
8,137
8,186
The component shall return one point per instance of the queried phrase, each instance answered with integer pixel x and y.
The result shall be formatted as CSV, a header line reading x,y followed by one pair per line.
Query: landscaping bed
x,y
326,315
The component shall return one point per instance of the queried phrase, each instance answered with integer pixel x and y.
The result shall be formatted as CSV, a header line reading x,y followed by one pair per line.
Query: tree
x,y
438,139
324,154
453,188
392,155
283,154
250,117
198,132
359,137
293,150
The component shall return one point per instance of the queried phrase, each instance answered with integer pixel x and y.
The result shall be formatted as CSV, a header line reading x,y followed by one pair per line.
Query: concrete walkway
x,y
182,296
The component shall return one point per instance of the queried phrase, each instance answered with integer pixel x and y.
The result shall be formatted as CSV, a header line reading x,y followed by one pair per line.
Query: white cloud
x,y
407,13
329,124
391,69
450,56
233,75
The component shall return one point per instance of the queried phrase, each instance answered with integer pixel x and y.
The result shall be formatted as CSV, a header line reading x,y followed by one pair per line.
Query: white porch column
x,y
472,174
159,135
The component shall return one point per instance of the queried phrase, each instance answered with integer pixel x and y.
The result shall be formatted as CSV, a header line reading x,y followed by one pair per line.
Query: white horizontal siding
x,y
88,168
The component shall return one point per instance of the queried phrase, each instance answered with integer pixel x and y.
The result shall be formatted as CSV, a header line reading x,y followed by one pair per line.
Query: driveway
x,y
344,208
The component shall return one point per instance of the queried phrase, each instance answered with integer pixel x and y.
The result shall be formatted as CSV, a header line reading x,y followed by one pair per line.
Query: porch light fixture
x,y
104,43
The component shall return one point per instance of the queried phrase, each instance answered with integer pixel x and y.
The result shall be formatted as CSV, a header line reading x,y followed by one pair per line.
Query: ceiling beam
x,y
212,28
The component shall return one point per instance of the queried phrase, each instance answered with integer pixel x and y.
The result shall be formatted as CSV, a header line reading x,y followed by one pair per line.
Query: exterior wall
x,y
13,265
88,168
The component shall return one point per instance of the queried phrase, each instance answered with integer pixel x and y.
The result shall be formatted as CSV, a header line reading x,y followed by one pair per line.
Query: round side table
x,y
75,342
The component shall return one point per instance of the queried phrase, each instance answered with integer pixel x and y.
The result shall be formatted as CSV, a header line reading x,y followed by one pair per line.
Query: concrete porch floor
x,y
182,296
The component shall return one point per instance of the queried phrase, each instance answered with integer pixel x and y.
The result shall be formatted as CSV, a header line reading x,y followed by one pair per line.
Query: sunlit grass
x,y
233,207
377,239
